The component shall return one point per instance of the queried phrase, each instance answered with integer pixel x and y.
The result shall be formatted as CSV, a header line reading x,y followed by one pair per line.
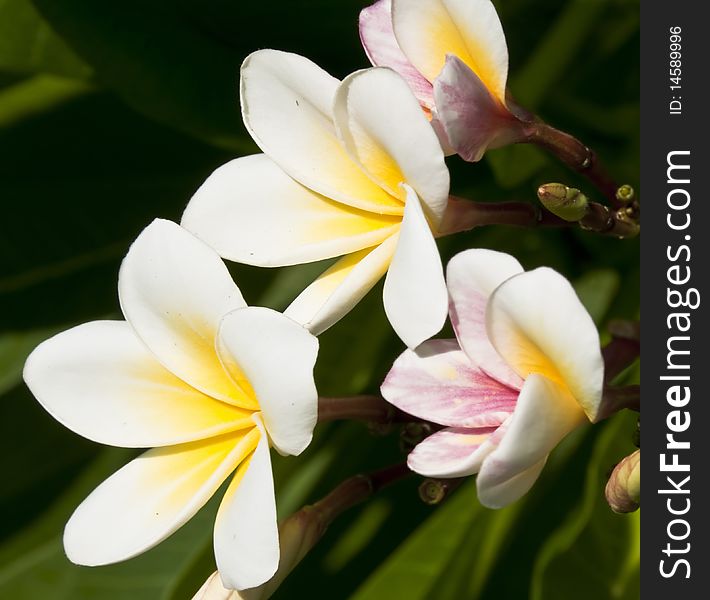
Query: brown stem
x,y
357,489
464,215
623,350
576,156
371,409
616,399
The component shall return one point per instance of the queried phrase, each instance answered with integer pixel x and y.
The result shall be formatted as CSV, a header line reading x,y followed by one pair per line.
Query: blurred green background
x,y
113,113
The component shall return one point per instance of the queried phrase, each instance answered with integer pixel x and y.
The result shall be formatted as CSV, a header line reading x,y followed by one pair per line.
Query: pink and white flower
x,y
454,56
526,369
201,378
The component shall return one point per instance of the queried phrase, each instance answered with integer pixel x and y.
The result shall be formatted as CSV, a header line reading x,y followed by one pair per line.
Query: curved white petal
x,y
438,383
246,537
472,119
277,356
415,296
337,290
451,452
471,277
174,290
381,47
251,212
151,497
538,325
428,30
506,492
100,381
545,413
213,589
384,130
287,107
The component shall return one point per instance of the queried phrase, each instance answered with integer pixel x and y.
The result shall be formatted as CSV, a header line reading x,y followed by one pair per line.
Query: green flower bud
x,y
567,203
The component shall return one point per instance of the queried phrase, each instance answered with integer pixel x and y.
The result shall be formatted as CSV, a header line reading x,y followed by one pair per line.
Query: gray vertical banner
x,y
675,537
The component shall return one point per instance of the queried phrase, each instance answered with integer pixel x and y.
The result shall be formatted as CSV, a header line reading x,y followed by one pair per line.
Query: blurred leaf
x,y
37,95
514,165
178,62
15,347
545,68
595,546
28,44
597,290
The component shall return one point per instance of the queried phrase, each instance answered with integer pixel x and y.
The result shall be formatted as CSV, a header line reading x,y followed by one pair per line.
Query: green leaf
x,y
514,165
179,62
595,546
28,44
597,290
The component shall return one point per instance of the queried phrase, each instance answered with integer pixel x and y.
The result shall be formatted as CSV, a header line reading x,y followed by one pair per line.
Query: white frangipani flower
x,y
349,169
526,369
201,378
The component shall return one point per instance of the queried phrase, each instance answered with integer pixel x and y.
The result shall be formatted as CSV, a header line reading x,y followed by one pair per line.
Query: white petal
x,y
246,537
438,383
472,276
174,290
545,414
508,491
471,117
428,30
415,294
213,589
385,131
151,497
277,356
334,294
381,47
538,325
451,452
100,381
251,212
287,107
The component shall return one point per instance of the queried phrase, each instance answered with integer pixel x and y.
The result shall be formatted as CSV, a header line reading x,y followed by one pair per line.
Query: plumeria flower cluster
x,y
353,171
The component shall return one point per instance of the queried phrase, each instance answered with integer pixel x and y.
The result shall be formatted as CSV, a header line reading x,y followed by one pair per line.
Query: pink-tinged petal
x,y
382,49
471,278
438,383
545,413
471,117
454,452
537,324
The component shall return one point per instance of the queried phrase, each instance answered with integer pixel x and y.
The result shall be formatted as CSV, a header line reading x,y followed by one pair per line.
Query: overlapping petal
x,y
251,212
415,295
384,130
428,30
277,356
545,413
341,287
382,48
174,290
151,497
100,381
472,276
451,452
246,537
471,117
438,383
538,325
287,107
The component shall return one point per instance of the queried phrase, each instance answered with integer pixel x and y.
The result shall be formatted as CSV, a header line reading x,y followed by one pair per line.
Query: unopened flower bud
x,y
567,203
623,490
